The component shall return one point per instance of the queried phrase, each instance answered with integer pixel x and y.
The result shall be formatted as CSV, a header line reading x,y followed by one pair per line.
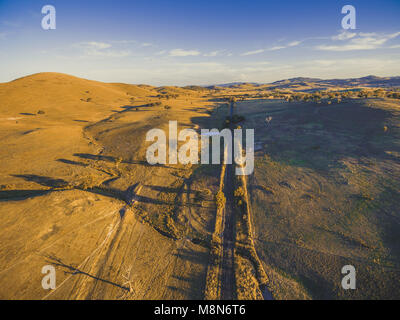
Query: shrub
x,y
40,112
236,118
267,189
239,192
199,196
118,161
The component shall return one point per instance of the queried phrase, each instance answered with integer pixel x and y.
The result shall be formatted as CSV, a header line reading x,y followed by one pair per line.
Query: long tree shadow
x,y
60,184
72,162
126,108
18,195
163,189
112,159
196,280
42,180
69,269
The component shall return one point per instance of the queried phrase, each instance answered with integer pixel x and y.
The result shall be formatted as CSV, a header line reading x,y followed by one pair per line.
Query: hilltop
x,y
310,84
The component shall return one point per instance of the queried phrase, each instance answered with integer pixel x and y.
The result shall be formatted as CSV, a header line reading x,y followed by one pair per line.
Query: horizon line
x,y
207,85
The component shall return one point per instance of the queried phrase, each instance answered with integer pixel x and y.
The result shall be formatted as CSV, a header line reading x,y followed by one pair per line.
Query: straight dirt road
x,y
228,287
228,239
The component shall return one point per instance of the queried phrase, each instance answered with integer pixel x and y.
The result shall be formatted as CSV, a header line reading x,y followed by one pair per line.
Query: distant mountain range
x,y
235,84
303,83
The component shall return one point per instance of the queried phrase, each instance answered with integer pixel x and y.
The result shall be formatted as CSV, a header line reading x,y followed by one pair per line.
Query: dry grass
x,y
323,194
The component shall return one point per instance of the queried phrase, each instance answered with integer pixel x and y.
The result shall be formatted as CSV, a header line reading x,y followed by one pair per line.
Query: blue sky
x,y
199,42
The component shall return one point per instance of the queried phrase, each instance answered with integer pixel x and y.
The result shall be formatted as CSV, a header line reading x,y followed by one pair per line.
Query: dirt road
x,y
228,289
228,283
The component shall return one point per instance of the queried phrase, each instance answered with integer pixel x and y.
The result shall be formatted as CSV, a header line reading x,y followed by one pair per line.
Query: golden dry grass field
x,y
77,192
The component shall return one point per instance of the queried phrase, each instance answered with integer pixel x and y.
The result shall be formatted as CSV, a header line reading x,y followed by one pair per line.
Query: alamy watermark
x,y
49,20
349,20
189,151
349,280
49,280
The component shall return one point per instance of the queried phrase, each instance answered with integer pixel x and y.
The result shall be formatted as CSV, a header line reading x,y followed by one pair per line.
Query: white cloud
x,y
249,53
183,53
101,49
214,53
290,44
293,43
349,68
276,48
95,45
368,34
360,41
344,35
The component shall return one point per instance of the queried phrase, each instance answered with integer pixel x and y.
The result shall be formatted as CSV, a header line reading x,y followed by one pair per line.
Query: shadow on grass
x,y
69,269
42,180
17,195
76,163
196,281
112,159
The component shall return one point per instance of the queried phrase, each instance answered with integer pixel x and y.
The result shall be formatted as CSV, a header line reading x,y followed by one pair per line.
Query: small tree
x,y
118,161
239,192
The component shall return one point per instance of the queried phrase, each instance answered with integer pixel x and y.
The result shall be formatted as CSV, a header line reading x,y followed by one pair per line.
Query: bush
x,y
200,196
40,112
118,161
236,118
267,189
239,192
